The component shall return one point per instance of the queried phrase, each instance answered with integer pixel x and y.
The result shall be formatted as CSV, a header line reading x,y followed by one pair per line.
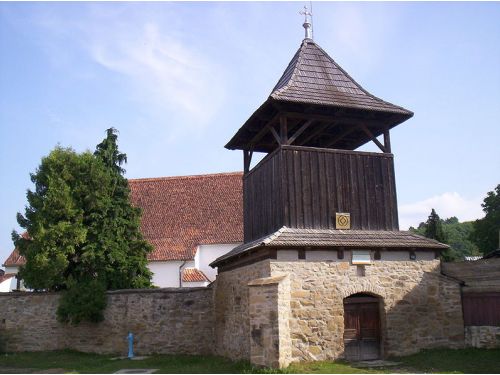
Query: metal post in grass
x,y
130,338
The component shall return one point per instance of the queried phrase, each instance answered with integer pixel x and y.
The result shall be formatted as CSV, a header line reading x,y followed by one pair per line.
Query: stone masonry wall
x,y
231,301
162,320
420,307
482,337
269,314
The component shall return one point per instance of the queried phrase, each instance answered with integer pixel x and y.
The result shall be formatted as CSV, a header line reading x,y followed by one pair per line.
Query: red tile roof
x,y
6,276
14,259
180,213
193,275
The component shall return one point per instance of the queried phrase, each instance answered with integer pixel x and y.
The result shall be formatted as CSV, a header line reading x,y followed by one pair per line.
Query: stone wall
x,y
231,301
482,337
420,308
162,320
269,318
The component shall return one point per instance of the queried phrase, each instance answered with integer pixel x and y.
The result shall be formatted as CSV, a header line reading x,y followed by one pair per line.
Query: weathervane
x,y
307,24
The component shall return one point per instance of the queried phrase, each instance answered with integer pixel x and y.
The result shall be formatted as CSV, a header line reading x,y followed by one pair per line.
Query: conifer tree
x,y
434,227
84,235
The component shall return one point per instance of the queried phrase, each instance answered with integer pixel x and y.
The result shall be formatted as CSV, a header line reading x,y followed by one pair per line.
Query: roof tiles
x,y
193,275
180,213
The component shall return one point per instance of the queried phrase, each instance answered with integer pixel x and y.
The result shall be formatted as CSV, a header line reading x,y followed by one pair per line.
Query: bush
x,y
82,301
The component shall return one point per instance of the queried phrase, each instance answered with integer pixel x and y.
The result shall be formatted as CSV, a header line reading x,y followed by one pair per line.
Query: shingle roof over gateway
x,y
180,213
294,237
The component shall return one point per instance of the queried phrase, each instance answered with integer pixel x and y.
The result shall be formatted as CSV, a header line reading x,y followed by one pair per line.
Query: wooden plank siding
x,y
481,309
303,187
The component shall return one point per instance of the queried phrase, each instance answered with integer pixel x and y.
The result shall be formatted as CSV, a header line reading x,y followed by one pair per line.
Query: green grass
x,y
437,361
460,361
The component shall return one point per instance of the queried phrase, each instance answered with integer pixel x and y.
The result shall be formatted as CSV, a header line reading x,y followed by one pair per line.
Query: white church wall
x,y
331,255
11,269
193,284
287,255
8,285
208,253
166,274
405,255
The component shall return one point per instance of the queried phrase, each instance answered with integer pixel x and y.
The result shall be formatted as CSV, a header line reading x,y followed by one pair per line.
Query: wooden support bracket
x,y
372,137
275,134
283,130
387,141
247,159
299,132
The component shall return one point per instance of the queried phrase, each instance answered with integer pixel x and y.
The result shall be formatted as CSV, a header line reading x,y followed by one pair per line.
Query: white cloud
x,y
446,205
168,77
166,72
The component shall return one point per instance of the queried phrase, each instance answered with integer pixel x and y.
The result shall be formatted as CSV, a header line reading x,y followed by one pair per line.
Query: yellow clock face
x,y
342,220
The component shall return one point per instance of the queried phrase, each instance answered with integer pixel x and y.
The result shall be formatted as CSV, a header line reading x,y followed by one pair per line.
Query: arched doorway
x,y
361,327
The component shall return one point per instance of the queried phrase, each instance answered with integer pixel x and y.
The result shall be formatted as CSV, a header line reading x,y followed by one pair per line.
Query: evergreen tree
x,y
485,234
434,227
84,235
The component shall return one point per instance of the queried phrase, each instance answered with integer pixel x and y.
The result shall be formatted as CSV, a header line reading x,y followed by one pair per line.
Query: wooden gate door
x,y
361,328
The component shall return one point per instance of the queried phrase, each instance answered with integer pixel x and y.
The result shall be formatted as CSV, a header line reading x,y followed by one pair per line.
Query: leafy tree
x,y
485,234
84,235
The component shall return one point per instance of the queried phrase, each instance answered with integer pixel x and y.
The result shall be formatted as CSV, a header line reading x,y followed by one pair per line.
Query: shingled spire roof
x,y
314,77
315,88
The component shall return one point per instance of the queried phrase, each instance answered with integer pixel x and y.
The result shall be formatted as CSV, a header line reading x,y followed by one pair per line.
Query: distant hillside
x,y
457,236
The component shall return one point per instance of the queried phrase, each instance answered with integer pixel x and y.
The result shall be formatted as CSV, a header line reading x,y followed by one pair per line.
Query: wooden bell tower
x,y
314,119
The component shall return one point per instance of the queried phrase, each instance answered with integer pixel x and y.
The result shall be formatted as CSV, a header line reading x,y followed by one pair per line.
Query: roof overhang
x,y
287,238
328,126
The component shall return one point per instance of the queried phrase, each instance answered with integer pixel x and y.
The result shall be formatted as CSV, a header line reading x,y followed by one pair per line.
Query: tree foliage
x,y
84,235
456,235
485,234
434,227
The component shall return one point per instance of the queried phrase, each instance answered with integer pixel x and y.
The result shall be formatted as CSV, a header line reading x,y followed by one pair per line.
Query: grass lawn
x,y
439,361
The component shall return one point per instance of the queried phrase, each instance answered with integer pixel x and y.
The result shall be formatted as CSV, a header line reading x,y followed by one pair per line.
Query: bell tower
x,y
313,189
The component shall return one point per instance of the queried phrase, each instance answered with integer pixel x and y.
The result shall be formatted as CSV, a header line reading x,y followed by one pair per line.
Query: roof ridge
x,y
292,75
194,176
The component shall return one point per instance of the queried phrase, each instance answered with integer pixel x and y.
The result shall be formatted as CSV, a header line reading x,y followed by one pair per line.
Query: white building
x,y
189,220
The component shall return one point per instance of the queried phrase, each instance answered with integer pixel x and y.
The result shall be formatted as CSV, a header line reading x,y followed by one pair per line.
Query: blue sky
x,y
178,79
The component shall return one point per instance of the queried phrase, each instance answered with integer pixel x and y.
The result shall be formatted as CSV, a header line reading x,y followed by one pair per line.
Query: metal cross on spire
x,y
307,24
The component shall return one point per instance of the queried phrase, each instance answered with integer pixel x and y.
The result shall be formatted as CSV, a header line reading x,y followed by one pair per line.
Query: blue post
x,y
130,338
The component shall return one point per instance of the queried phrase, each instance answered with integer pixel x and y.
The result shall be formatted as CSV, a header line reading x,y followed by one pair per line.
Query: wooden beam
x,y
347,131
387,141
283,130
275,134
316,132
247,159
299,132
335,117
372,137
264,130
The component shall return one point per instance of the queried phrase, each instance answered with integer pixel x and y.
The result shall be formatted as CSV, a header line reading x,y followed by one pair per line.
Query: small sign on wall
x,y
342,220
